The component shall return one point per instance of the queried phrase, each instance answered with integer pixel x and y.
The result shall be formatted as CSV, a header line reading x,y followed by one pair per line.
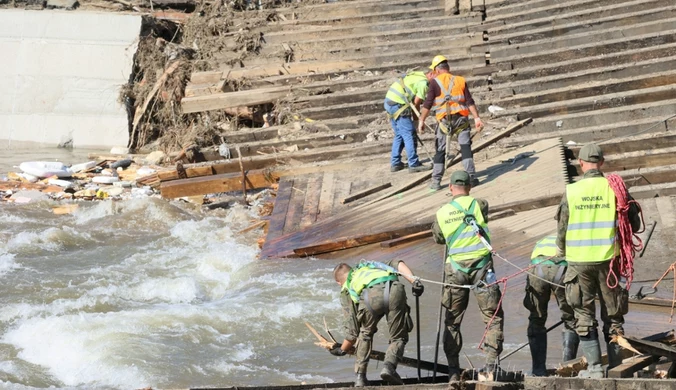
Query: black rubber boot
x,y
570,343
453,369
592,352
614,358
360,380
538,353
389,375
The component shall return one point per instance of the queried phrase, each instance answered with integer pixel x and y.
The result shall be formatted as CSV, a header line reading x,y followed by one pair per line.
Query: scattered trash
x,y
559,123
124,164
76,168
43,169
224,151
60,183
571,142
494,109
105,179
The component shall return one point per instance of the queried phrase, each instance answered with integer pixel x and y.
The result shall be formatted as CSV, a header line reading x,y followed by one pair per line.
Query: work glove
x,y
336,351
417,289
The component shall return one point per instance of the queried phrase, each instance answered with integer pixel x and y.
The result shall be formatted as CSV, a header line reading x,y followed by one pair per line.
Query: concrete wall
x,y
60,76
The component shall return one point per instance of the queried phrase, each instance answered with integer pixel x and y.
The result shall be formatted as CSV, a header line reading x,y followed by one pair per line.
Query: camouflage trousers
x,y
583,283
538,293
455,300
398,321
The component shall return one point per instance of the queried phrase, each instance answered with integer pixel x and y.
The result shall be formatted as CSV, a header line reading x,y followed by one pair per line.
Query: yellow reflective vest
x,y
545,248
461,240
403,91
592,223
366,275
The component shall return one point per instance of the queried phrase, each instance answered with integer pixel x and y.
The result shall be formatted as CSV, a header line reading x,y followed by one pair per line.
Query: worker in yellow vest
x,y
548,268
448,95
468,262
370,291
587,224
407,92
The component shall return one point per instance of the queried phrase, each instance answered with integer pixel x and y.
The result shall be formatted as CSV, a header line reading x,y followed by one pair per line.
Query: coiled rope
x,y
628,241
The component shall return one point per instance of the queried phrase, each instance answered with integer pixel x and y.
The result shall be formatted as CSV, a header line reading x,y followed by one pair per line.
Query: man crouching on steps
x,y
370,291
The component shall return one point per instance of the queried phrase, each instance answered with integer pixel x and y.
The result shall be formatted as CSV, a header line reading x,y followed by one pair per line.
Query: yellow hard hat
x,y
437,60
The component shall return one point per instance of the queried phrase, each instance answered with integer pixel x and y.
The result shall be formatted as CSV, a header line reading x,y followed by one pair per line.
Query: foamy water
x,y
147,293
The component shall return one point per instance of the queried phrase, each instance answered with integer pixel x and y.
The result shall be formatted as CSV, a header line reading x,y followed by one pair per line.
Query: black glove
x,y
336,351
418,289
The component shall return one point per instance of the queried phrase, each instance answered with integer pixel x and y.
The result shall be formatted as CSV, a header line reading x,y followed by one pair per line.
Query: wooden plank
x,y
366,193
654,190
19,185
206,77
311,205
326,196
627,370
291,69
529,204
220,101
190,172
406,239
278,217
476,148
353,242
341,189
227,182
296,204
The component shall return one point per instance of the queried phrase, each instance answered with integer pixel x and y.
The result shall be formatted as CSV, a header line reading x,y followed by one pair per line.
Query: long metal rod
x,y
417,330
441,310
647,240
522,346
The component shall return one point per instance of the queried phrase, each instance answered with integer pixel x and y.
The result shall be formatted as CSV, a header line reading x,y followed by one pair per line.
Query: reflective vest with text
x,y
466,246
592,223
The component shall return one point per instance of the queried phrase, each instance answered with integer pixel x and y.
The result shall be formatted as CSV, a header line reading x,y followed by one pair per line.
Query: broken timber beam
x,y
649,347
353,242
478,147
627,370
366,193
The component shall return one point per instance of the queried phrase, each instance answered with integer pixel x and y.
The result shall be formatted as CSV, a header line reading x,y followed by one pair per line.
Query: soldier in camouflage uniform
x,y
370,291
587,223
550,268
468,263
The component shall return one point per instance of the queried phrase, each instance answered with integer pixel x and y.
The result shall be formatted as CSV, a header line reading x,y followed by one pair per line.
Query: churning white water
x,y
150,293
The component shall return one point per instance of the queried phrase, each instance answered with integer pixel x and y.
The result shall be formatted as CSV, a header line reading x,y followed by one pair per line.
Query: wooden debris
x,y
219,101
65,208
366,193
352,242
627,370
151,95
254,226
406,239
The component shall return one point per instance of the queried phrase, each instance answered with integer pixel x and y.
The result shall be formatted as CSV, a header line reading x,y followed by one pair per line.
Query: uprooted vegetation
x,y
213,37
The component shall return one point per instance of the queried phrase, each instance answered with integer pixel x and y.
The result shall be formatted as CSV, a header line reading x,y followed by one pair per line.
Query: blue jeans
x,y
404,137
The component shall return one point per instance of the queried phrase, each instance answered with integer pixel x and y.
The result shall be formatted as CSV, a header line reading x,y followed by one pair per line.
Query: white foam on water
x,y
190,302
81,349
7,264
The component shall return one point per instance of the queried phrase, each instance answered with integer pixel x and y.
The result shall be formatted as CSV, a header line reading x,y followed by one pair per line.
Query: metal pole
x,y
441,310
417,327
650,233
522,346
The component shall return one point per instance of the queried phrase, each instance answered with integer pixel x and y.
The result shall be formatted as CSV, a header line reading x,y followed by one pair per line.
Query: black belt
x,y
386,297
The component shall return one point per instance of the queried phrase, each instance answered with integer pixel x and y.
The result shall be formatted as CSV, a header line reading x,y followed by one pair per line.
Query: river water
x,y
145,292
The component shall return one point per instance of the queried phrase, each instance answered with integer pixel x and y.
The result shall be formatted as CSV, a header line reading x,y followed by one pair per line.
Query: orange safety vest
x,y
451,99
